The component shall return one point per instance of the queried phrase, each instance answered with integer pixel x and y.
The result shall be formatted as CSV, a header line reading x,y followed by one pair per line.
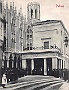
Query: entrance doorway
x,y
49,66
28,68
39,66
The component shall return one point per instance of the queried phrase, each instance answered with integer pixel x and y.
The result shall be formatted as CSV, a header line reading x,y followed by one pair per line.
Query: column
x,y
33,13
12,63
45,67
54,63
64,64
23,64
7,63
32,65
61,64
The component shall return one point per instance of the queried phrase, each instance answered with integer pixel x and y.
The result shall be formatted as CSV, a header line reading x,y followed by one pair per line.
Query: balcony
x,y
42,50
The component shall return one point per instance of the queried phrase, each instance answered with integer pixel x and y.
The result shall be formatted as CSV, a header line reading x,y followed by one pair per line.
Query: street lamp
x,y
66,41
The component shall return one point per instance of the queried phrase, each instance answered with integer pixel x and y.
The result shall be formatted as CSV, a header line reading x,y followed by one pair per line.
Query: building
x,y
1,33
36,46
45,47
33,15
13,34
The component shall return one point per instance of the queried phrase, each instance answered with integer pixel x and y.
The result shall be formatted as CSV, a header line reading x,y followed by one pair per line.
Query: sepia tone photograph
x,y
34,44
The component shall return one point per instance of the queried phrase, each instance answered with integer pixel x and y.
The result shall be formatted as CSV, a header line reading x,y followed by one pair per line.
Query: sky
x,y
49,9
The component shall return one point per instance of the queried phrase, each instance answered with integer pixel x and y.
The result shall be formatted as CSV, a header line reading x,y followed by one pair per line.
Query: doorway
x,y
39,66
28,68
49,66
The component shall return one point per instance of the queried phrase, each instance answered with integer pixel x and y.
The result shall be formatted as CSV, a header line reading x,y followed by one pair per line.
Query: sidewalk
x,y
65,86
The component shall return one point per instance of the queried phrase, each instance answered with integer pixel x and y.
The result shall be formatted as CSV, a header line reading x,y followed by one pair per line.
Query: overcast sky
x,y
48,9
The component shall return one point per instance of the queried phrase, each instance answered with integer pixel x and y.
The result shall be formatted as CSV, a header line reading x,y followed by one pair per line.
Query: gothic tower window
x,y
36,13
31,13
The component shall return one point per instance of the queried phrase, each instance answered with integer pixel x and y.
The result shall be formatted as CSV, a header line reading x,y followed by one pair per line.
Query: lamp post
x,y
66,44
66,41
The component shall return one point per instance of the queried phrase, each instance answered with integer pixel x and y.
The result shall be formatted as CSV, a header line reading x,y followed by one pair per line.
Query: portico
x,y
41,62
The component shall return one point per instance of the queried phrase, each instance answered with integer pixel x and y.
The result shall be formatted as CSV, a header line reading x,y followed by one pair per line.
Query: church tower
x,y
33,12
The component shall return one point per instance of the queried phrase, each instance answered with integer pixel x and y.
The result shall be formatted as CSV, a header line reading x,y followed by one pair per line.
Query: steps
x,y
35,83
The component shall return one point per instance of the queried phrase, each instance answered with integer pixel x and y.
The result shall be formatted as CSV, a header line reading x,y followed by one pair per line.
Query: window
x,y
46,45
31,13
30,44
36,13
0,7
30,48
27,45
61,32
30,36
27,36
27,48
27,31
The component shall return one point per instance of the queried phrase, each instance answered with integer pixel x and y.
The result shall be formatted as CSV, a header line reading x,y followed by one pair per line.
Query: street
x,y
35,83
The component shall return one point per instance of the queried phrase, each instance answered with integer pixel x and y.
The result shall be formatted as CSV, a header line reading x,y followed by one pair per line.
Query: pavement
x,y
37,83
65,86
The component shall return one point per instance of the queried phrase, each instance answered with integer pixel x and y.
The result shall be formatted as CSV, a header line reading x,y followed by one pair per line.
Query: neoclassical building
x,y
45,43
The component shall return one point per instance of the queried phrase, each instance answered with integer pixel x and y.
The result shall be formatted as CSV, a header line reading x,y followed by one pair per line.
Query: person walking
x,y
4,80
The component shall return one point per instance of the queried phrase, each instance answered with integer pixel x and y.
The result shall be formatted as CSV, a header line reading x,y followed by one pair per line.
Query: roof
x,y
46,22
33,3
50,22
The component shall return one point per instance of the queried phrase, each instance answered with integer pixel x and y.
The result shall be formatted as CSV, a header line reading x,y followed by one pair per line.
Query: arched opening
x,y
36,13
31,13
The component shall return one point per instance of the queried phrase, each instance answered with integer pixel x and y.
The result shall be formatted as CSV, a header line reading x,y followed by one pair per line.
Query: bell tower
x,y
33,11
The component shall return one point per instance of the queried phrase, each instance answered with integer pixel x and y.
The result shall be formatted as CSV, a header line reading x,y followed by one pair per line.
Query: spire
x,y
13,5
6,5
10,5
25,18
20,11
15,10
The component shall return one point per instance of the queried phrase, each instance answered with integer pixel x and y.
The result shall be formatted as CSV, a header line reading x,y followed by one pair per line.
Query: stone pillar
x,y
32,65
7,63
23,64
45,67
54,63
61,64
33,13
12,63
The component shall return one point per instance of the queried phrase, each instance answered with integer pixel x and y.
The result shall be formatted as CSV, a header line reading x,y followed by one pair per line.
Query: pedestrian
x,y
4,80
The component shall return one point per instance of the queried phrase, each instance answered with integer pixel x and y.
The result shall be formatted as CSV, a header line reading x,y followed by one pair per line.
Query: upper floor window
x,y
61,32
36,13
30,36
27,31
31,13
27,36
46,45
0,7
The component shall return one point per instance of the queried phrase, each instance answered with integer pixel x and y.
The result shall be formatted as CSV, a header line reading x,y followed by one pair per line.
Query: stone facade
x,y
34,45
44,44
1,34
14,28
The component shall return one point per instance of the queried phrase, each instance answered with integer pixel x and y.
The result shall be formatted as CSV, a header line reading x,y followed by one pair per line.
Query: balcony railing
x,y
42,48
